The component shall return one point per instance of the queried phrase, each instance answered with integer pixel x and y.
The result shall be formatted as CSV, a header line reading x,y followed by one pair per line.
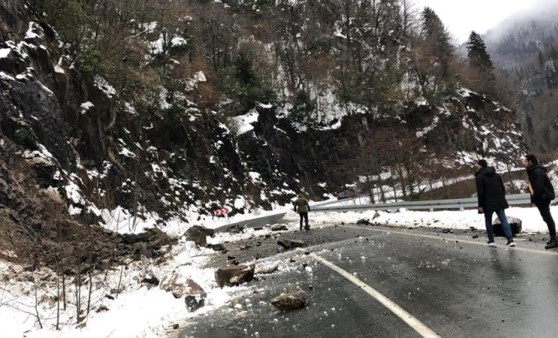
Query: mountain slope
x,y
84,147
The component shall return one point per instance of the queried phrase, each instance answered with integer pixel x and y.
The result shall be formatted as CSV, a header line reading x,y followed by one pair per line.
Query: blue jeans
x,y
503,220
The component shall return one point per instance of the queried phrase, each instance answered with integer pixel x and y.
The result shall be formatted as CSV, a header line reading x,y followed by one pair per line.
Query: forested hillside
x,y
173,109
125,123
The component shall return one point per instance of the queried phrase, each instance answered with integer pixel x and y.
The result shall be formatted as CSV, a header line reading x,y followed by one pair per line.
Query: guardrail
x,y
254,222
458,203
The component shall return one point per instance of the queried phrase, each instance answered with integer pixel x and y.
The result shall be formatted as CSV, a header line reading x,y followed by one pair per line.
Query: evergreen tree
x,y
434,31
481,64
437,48
477,54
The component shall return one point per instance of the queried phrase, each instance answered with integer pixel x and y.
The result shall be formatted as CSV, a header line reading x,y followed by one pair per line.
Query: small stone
x,y
290,301
102,308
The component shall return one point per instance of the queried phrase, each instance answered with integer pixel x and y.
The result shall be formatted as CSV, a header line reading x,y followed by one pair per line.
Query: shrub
x,y
303,106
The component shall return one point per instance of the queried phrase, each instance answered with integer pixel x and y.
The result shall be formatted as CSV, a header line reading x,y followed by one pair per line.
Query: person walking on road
x,y
542,192
492,199
302,207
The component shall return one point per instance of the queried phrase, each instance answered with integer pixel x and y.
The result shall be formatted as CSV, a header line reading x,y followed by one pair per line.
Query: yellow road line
x,y
448,239
405,316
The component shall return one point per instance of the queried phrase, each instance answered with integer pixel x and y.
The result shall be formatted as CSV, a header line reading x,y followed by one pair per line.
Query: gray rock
x,y
217,247
151,280
515,225
262,269
198,234
363,221
235,229
291,300
195,296
290,244
232,275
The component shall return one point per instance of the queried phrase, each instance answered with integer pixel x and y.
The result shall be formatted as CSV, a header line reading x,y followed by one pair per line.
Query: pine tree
x,y
437,48
481,64
477,54
434,31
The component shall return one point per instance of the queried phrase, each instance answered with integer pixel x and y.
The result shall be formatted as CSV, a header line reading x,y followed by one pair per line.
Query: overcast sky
x,y
462,17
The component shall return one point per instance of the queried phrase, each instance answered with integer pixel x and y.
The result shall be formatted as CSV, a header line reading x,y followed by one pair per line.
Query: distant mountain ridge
x,y
525,49
520,37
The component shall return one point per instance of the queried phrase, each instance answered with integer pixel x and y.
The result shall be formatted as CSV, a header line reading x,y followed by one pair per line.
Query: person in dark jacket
x,y
542,192
302,207
492,199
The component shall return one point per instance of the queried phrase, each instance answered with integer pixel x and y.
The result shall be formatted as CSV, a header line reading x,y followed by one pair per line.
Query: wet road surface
x,y
450,283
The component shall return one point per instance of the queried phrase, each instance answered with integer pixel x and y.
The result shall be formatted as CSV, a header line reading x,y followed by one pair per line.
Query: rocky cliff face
x,y
81,141
70,141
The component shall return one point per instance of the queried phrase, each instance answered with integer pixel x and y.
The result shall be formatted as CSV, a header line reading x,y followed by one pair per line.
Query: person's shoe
x,y
510,242
552,244
492,244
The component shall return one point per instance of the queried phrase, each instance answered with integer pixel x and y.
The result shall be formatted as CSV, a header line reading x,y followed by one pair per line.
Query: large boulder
x,y
232,275
198,234
291,300
194,296
515,225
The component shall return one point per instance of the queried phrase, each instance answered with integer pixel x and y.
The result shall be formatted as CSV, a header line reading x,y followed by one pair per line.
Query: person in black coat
x,y
492,199
542,193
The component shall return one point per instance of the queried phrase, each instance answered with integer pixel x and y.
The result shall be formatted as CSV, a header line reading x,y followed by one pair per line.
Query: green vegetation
x,y
380,56
303,107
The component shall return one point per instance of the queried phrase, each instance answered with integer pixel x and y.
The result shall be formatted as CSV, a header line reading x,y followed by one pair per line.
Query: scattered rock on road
x,y
232,275
290,301
290,244
265,269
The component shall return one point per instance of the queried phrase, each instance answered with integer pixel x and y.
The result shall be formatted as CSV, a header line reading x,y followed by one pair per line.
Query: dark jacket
x,y
541,188
490,190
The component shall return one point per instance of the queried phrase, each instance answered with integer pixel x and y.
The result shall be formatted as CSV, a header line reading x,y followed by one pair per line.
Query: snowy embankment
x,y
122,306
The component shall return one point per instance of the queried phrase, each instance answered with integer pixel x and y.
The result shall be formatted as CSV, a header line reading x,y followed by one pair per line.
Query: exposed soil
x,y
36,230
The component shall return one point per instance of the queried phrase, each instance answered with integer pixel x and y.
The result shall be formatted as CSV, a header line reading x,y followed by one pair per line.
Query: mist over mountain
x,y
524,47
520,37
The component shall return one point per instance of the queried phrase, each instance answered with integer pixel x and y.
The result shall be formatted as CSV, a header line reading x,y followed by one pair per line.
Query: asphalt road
x,y
433,284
